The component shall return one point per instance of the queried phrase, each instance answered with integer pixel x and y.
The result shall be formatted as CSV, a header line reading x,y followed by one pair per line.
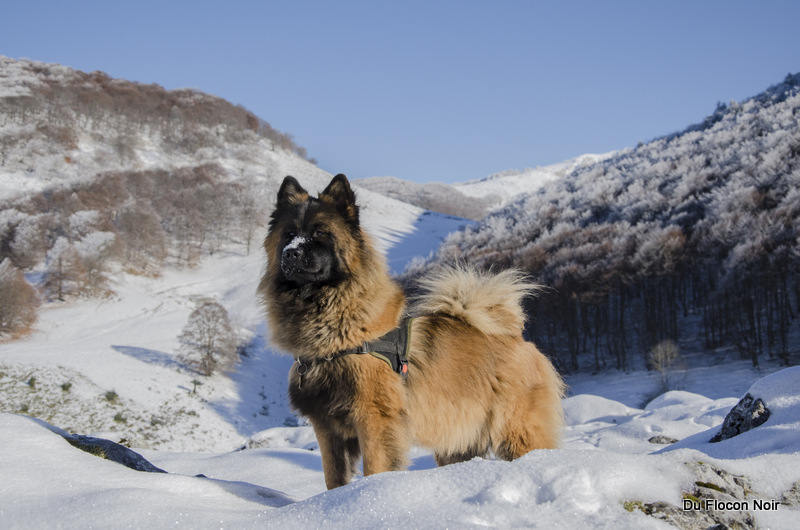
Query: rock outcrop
x,y
748,414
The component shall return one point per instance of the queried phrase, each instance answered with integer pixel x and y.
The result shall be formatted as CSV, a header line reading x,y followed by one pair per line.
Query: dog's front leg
x,y
383,443
380,418
339,455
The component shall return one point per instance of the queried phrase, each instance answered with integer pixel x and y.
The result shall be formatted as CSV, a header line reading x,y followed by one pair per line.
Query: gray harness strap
x,y
391,348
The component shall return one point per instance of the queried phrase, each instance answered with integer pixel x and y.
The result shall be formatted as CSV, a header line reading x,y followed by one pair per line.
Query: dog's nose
x,y
295,253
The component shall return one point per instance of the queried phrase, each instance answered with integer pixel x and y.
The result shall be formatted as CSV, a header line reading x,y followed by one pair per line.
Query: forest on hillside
x,y
76,235
693,238
125,176
47,107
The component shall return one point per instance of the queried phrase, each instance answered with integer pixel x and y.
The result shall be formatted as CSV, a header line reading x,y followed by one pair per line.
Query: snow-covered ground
x,y
605,463
108,368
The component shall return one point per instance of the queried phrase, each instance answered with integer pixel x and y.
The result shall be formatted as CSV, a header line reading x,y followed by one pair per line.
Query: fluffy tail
x,y
491,302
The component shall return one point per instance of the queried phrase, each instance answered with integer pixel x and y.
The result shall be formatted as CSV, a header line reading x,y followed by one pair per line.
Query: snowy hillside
x,y
59,126
474,199
503,187
432,196
100,175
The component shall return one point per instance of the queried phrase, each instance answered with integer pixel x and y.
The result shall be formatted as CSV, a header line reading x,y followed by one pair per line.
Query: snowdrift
x,y
604,472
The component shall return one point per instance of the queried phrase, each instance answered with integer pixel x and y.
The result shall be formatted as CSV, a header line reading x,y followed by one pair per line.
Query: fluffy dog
x,y
473,383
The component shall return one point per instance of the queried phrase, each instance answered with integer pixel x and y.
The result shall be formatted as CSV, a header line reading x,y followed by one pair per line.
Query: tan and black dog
x,y
473,384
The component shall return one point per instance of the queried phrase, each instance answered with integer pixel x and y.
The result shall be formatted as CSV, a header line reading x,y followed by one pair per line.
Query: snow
x,y
779,435
428,231
297,242
604,462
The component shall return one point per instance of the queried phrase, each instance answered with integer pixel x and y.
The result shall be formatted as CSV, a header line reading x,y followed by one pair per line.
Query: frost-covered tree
x,y
208,341
29,245
82,223
94,250
144,239
65,274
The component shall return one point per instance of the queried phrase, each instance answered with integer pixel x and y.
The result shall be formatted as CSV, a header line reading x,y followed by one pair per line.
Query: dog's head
x,y
313,240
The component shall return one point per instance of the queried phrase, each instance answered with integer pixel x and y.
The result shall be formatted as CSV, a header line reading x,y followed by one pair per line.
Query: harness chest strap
x,y
391,348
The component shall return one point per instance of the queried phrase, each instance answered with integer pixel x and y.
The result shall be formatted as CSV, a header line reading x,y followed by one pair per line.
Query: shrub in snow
x,y
665,358
18,300
23,237
208,341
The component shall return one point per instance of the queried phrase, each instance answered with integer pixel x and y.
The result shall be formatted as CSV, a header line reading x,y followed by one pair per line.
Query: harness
x,y
391,348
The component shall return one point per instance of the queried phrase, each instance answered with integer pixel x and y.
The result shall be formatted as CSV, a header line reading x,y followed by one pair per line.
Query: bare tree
x,y
665,358
66,274
18,300
208,341
145,241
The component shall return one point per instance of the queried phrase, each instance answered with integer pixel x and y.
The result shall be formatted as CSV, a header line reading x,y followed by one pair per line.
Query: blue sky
x,y
437,90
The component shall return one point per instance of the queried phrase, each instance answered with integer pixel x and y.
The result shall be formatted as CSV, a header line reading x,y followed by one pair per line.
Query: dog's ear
x,y
342,197
291,192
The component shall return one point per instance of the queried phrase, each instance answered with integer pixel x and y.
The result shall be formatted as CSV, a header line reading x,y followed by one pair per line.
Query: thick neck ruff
x,y
391,348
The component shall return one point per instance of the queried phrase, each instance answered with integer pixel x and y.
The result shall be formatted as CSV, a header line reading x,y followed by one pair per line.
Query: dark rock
x,y
662,440
748,414
112,451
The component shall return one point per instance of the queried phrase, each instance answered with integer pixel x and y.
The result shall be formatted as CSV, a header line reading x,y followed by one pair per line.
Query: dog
x,y
469,383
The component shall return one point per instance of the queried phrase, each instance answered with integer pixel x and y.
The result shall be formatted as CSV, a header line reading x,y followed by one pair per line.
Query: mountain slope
x,y
100,173
474,199
506,186
59,125
432,196
692,237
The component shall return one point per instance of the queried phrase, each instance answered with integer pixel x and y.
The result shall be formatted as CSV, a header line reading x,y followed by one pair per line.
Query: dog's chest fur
x,y
327,390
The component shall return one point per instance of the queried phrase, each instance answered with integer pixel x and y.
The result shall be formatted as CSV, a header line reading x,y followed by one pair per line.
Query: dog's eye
x,y
319,233
290,235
